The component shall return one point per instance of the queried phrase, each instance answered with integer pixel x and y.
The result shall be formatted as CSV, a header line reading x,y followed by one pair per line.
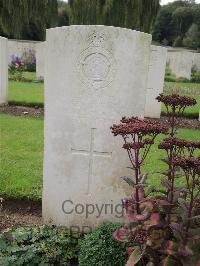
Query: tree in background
x,y
133,14
27,19
63,14
192,37
177,23
174,22
148,11
86,12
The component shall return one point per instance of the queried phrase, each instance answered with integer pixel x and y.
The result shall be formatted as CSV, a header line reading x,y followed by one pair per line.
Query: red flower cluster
x,y
133,145
173,142
176,100
156,220
135,125
138,145
190,164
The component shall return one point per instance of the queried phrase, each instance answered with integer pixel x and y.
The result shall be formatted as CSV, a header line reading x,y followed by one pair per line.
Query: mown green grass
x,y
29,75
154,164
182,85
21,153
26,93
32,94
193,111
22,156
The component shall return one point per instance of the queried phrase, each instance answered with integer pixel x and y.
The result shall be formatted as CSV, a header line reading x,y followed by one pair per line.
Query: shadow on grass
x,y
185,115
25,104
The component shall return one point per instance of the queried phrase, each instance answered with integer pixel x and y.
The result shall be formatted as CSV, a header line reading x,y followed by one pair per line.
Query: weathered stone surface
x,y
196,61
18,47
93,76
3,70
155,81
40,60
180,63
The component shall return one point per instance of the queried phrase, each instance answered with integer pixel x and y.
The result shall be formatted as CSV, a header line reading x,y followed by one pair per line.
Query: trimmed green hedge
x,y
99,248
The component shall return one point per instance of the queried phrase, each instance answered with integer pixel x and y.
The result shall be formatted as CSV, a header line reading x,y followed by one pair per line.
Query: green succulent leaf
x,y
166,183
183,204
128,180
177,175
165,160
166,173
135,256
171,261
143,178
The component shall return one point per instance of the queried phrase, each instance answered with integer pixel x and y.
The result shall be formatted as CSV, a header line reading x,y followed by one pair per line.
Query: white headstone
x,y
3,70
155,81
94,75
180,63
18,47
196,61
40,60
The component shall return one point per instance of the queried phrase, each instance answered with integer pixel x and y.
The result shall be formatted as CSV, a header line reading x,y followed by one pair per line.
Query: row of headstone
x,y
196,61
18,47
155,82
40,60
3,70
93,76
181,62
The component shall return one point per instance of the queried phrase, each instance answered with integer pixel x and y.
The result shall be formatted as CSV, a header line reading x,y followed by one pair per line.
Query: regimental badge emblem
x,y
96,64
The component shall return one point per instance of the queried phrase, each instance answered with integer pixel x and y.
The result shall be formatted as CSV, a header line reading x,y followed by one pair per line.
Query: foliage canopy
x,y
27,19
178,24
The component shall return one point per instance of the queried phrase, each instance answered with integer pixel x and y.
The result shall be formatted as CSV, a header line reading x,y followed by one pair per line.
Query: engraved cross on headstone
x,y
91,153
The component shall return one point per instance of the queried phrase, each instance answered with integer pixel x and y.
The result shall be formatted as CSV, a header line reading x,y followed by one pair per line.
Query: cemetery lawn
x,y
29,75
26,93
21,156
183,85
21,153
193,111
153,162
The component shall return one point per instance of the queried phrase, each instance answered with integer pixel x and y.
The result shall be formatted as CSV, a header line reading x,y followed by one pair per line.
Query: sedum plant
x,y
183,168
162,226
175,106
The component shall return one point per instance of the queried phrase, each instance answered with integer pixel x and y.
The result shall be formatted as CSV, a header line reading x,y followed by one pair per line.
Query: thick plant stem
x,y
189,214
172,134
137,170
171,169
